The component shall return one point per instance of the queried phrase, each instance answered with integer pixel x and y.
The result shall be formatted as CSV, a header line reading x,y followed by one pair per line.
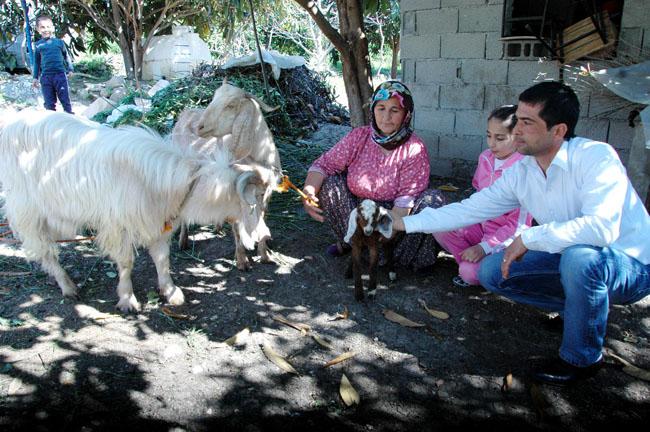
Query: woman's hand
x,y
398,222
314,212
473,254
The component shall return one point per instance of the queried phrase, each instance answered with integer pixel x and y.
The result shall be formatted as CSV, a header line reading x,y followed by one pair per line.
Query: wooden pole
x,y
259,52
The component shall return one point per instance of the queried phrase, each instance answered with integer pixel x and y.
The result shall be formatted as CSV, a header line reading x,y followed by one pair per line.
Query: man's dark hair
x,y
42,18
559,104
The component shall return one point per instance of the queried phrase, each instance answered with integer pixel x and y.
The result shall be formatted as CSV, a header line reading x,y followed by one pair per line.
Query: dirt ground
x,y
81,366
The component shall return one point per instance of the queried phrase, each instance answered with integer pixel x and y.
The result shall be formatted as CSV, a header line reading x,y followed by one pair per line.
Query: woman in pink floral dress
x,y
385,162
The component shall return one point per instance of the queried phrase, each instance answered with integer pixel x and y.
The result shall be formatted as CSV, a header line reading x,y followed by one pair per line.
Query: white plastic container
x,y
174,56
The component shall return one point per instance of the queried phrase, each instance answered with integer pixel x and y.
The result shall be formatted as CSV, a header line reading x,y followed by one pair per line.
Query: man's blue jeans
x,y
53,86
580,283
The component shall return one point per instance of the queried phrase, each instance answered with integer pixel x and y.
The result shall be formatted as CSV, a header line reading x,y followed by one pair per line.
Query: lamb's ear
x,y
352,226
385,223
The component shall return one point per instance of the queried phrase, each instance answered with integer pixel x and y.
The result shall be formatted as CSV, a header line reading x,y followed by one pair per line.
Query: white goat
x,y
62,174
233,119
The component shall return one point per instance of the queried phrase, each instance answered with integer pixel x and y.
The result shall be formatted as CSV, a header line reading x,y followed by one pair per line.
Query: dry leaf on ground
x,y
278,360
348,393
342,315
236,339
401,320
507,382
631,369
298,326
322,341
343,357
434,313
173,314
448,188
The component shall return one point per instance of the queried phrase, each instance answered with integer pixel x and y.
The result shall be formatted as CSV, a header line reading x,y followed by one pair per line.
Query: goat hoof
x,y
392,276
176,298
128,304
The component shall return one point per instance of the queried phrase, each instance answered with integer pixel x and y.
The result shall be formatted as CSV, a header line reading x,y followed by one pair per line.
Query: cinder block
x,y
430,141
437,71
529,72
461,3
630,42
620,134
412,5
484,71
469,96
420,47
497,95
594,129
493,46
480,19
462,45
408,71
471,122
636,13
408,23
466,147
440,167
437,21
605,104
425,95
438,121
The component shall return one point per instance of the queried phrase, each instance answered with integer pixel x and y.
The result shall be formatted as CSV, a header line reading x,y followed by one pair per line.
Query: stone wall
x,y
452,59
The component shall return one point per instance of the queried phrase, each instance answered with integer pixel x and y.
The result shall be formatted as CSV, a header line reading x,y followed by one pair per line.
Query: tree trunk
x,y
356,61
395,61
125,46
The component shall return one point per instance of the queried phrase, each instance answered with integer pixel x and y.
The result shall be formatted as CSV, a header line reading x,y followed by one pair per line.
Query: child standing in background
x,y
471,244
51,66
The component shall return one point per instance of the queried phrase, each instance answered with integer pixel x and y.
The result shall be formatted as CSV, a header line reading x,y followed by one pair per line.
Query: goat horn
x,y
242,182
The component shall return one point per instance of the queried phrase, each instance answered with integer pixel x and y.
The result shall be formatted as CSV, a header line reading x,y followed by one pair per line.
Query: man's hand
x,y
35,83
314,212
473,254
398,221
514,252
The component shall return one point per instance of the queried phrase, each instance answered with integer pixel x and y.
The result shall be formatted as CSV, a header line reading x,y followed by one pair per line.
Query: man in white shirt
x,y
591,244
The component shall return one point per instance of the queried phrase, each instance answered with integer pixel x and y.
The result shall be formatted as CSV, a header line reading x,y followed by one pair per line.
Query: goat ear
x,y
352,226
243,131
385,223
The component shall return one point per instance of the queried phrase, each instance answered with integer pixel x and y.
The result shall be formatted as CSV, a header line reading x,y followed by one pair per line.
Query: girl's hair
x,y
506,114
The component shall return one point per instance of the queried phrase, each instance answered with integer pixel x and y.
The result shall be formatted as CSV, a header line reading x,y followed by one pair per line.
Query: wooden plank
x,y
589,44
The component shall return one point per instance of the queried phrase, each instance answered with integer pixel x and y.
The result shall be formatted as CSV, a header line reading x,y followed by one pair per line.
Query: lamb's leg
x,y
183,243
357,272
159,252
241,257
389,248
373,258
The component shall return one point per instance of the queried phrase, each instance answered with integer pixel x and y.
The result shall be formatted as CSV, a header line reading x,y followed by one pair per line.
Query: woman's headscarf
x,y
385,91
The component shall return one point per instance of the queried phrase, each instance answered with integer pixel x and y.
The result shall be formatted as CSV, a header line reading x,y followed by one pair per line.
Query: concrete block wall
x,y
451,57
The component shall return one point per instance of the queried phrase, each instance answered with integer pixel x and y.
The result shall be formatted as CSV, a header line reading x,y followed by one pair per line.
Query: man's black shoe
x,y
557,371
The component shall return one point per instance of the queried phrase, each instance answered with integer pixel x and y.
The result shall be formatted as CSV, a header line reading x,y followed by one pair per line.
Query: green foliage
x,y
95,66
7,60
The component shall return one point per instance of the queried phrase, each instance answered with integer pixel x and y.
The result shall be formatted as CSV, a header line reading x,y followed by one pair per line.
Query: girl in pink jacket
x,y
471,244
